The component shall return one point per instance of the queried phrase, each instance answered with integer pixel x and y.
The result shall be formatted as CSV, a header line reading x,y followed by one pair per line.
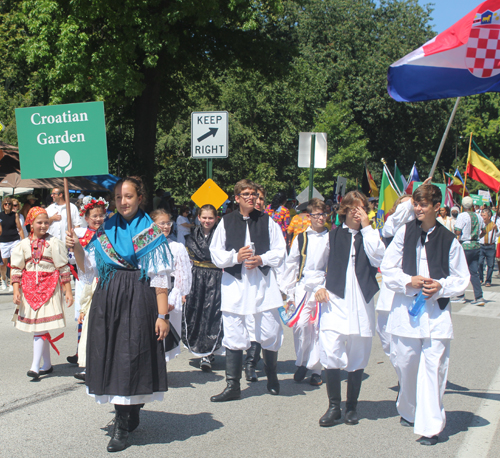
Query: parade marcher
x,y
279,213
424,257
445,219
94,212
454,212
202,330
58,216
468,227
10,236
248,245
347,322
40,273
372,214
181,274
304,267
488,242
184,226
129,314
299,223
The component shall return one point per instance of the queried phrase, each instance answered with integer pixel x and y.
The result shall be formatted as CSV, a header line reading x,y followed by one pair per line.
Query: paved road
x,y
55,418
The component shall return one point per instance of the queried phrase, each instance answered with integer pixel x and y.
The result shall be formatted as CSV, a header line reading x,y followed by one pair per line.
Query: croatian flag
x,y
463,60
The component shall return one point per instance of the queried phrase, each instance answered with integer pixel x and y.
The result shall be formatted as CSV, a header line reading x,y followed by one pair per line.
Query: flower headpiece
x,y
89,202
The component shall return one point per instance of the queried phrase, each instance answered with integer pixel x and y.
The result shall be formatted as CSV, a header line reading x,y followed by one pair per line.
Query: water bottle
x,y
417,305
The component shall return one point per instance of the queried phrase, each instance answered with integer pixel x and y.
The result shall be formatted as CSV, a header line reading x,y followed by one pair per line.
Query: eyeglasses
x,y
55,193
169,224
15,205
93,218
317,215
248,195
7,203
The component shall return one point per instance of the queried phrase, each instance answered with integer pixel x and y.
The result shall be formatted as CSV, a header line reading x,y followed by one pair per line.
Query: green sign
x,y
62,140
441,186
479,200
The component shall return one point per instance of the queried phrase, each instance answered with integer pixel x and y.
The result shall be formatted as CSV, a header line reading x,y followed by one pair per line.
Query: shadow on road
x,y
459,421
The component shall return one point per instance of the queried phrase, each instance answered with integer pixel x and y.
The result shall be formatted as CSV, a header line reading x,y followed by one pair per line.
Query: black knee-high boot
x,y
271,367
251,360
119,437
234,361
353,388
333,413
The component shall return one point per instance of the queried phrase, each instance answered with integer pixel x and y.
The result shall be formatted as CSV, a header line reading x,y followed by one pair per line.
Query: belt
x,y
205,264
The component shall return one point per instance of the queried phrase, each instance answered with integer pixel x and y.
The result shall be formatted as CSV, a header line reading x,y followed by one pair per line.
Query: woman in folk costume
x,y
125,355
181,274
40,267
202,329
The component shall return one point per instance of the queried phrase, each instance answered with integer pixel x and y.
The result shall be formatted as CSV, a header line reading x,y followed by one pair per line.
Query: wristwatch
x,y
164,317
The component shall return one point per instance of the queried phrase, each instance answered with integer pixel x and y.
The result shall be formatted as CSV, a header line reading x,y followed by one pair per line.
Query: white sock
x,y
46,356
37,352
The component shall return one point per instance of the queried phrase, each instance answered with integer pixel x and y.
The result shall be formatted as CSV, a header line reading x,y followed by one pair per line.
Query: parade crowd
x,y
227,286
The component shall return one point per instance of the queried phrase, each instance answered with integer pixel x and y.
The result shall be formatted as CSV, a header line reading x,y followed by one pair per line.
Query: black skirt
x,y
124,357
202,330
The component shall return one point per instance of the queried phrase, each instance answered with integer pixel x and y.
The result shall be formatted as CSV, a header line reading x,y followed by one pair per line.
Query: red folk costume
x,y
41,267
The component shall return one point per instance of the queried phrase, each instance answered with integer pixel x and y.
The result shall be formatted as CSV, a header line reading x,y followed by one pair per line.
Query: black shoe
x,y
34,375
353,388
316,380
270,367
48,371
206,364
72,359
333,413
119,437
428,440
351,416
405,422
234,362
230,393
300,373
250,374
80,376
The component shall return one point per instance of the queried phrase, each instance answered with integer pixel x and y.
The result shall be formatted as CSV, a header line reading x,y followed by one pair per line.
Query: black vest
x,y
236,227
338,260
437,250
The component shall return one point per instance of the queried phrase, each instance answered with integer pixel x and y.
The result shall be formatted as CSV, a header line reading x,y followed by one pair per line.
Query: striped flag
x,y
480,168
388,197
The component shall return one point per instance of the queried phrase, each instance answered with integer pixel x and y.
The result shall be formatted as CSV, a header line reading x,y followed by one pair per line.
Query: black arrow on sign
x,y
211,131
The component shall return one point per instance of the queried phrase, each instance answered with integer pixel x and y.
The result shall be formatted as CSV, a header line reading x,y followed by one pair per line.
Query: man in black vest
x,y
248,245
424,257
348,314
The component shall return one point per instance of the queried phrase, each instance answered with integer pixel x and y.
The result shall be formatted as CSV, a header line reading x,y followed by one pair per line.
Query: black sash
x,y
338,260
236,226
437,250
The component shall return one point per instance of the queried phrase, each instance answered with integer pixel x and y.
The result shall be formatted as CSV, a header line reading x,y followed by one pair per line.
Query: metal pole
x,y
311,166
210,167
443,140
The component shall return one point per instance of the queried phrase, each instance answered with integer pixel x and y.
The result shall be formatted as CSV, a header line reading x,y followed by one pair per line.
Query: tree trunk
x,y
146,116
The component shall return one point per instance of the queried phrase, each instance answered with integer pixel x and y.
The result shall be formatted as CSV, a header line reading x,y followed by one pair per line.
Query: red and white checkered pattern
x,y
483,51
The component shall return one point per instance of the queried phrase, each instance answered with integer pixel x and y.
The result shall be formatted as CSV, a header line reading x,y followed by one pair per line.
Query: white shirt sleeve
x,y
404,214
456,283
374,247
159,272
289,279
277,246
220,257
183,276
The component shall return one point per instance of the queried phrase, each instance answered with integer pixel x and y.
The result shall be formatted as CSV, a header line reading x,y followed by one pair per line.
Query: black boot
x,y
251,360
353,388
134,418
333,414
119,438
234,361
270,367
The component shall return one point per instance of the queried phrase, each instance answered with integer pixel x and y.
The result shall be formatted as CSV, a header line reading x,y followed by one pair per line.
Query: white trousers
x,y
385,337
306,340
265,326
422,368
348,352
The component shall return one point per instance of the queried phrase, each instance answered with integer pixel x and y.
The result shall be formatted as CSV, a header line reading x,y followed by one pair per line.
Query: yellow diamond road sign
x,y
209,193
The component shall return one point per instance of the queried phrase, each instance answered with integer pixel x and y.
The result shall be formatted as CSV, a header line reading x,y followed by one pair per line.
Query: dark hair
x,y
244,184
208,207
316,203
160,211
261,189
278,199
138,185
448,212
352,199
428,192
184,209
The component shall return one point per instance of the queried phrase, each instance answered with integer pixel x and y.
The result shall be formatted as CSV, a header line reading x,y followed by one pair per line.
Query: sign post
x,y
62,140
312,154
209,136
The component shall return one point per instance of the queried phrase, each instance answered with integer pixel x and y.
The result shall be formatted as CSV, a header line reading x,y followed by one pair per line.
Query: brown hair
x,y
157,213
316,203
351,200
260,188
244,184
6,200
428,192
209,208
398,201
138,185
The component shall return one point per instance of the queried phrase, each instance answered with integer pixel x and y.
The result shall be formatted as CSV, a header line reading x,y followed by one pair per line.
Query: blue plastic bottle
x,y
417,305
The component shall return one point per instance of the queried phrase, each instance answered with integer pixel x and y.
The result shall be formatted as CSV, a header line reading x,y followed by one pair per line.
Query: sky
x,y
447,12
